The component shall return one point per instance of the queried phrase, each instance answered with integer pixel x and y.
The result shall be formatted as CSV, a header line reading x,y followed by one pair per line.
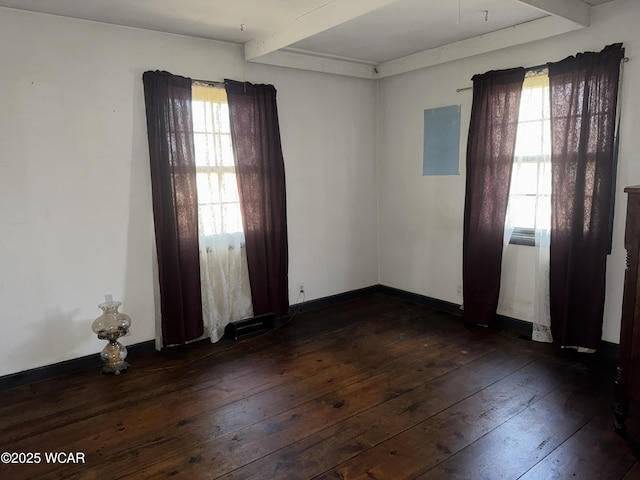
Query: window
x,y
530,193
224,274
218,200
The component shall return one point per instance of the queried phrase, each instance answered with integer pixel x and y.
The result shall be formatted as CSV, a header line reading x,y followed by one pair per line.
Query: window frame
x,y
219,170
526,236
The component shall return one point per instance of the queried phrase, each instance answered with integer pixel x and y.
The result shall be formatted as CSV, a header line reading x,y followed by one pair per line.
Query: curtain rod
x,y
529,69
208,83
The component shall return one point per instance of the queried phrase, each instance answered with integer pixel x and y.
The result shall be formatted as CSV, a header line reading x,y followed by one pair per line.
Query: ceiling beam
x,y
315,63
517,35
329,15
572,10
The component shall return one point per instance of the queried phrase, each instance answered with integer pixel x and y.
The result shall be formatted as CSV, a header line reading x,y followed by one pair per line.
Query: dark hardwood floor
x,y
374,388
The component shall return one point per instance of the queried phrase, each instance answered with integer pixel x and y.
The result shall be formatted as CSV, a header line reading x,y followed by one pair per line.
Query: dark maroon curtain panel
x,y
584,93
255,134
175,204
490,149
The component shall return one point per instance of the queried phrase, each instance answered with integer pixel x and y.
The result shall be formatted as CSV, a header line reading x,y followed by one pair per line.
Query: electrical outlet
x,y
301,288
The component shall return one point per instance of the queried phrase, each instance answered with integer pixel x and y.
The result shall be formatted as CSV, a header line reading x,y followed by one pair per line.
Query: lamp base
x,y
115,368
113,356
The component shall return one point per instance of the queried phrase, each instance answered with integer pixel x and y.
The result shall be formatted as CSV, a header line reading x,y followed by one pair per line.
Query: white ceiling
x,y
349,37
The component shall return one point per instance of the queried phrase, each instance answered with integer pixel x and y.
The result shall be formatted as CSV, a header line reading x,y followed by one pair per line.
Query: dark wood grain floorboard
x,y
527,437
374,388
441,436
594,452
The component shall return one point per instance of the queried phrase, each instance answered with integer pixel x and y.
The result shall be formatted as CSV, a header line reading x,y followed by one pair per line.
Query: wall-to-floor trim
x,y
608,350
523,328
334,299
68,366
513,324
434,303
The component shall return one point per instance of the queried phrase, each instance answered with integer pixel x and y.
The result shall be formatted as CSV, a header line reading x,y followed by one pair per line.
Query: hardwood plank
x,y
237,448
86,395
377,387
189,428
595,452
318,453
437,438
527,437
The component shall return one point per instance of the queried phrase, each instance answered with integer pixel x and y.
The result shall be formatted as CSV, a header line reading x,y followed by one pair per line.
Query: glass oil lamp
x,y
110,326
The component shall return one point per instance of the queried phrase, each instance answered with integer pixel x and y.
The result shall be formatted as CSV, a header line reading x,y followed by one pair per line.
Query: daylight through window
x,y
218,201
530,194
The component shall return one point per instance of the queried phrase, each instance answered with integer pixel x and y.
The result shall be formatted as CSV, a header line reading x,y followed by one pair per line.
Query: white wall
x,y
75,216
421,218
328,126
76,219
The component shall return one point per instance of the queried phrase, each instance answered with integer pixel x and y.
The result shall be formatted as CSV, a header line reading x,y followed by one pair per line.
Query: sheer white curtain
x,y
530,194
226,295
541,306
